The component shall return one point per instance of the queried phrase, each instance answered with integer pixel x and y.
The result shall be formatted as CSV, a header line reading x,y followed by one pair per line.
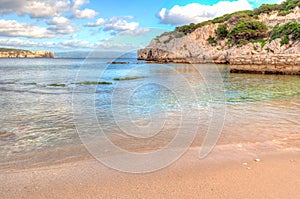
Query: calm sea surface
x,y
42,101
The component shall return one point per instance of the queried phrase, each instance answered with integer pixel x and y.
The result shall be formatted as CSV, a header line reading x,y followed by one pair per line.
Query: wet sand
x,y
225,173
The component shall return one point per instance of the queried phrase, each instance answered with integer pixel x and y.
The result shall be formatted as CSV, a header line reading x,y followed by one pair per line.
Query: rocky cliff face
x,y
16,53
195,47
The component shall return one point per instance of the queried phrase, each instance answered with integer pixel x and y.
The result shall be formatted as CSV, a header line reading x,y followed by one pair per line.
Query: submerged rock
x,y
6,136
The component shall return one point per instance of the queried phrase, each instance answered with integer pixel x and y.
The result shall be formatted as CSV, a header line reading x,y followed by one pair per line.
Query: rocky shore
x,y
257,55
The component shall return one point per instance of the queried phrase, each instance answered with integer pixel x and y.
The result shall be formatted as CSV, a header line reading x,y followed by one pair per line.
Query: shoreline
x,y
250,65
274,176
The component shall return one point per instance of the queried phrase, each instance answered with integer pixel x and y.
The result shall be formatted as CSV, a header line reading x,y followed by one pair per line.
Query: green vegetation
x,y
243,32
283,13
12,49
285,40
233,18
283,9
242,42
222,31
92,83
212,41
254,31
248,31
287,6
244,26
229,43
266,9
287,32
57,85
289,29
261,41
129,78
186,29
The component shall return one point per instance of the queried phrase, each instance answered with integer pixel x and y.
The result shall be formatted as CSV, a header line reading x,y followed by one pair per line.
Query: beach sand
x,y
223,174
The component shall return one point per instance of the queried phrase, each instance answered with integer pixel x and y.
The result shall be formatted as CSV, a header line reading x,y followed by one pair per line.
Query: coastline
x,y
280,68
274,176
24,54
283,64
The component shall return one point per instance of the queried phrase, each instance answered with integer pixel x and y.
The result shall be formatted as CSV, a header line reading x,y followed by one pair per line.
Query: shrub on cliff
x,y
222,31
186,29
212,41
233,17
283,8
266,8
289,5
284,40
290,30
248,30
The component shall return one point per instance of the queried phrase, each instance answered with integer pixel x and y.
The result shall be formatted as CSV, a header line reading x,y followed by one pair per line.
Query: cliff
x,y
265,40
18,53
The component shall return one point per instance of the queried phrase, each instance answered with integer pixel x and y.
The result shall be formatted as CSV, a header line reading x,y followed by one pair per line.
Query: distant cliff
x,y
19,53
265,40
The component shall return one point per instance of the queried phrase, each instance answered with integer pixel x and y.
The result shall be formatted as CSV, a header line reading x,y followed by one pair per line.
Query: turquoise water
x,y
37,103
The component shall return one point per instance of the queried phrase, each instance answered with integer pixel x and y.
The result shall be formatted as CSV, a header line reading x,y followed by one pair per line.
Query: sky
x,y
112,25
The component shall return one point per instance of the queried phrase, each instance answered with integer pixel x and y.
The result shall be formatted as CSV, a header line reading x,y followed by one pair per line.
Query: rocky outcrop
x,y
43,54
16,53
277,64
195,48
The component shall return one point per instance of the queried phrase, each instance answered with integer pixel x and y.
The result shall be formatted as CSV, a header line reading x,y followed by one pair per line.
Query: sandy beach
x,y
223,174
149,99
256,156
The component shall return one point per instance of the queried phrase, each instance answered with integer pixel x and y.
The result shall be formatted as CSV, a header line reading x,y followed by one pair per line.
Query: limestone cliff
x,y
204,44
18,53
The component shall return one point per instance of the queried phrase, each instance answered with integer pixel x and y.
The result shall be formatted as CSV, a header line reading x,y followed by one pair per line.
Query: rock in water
x,y
6,136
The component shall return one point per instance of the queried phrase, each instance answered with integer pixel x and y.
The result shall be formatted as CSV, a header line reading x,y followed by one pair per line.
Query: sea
x,y
50,108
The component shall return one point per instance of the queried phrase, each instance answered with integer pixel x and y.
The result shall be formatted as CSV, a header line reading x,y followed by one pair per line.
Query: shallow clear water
x,y
37,106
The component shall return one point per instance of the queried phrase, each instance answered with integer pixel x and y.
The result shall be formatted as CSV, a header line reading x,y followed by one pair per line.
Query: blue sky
x,y
62,25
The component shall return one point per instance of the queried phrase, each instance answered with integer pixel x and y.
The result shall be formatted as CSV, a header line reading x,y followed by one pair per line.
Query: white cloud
x,y
17,43
63,29
119,42
67,44
195,12
75,43
46,8
99,22
12,28
58,26
82,14
58,20
119,24
135,32
86,13
78,3
61,26
35,8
